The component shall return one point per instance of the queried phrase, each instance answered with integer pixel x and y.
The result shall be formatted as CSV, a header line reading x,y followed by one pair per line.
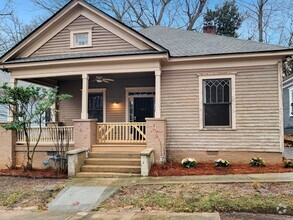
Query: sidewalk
x,y
241,178
130,215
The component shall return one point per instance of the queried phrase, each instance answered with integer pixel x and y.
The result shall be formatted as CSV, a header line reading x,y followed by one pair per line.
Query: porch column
x,y
84,104
12,84
158,93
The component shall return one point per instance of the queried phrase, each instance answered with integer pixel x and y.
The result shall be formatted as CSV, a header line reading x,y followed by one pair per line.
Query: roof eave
x,y
273,53
106,58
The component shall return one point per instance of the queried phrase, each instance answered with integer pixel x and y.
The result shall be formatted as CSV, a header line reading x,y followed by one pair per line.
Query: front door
x,y
95,107
143,108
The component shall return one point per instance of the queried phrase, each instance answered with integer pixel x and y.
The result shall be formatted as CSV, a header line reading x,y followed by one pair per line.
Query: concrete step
x,y
115,154
118,147
111,169
110,161
105,175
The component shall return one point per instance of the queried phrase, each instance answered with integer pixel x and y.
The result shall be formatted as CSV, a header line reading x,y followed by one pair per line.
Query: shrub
x,y
288,163
188,162
257,162
222,163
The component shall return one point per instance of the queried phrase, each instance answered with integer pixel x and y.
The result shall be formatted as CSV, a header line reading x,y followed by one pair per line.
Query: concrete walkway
x,y
80,198
288,153
241,178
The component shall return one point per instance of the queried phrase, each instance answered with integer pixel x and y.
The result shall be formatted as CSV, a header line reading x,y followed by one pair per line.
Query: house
x,y
3,111
181,93
288,104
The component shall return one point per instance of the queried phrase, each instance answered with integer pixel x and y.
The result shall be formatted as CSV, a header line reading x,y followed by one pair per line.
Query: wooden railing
x,y
49,134
128,132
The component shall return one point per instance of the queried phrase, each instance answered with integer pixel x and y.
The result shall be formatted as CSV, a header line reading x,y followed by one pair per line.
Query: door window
x,y
95,108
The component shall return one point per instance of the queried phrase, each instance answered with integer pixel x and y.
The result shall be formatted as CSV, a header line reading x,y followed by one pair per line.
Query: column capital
x,y
85,76
158,72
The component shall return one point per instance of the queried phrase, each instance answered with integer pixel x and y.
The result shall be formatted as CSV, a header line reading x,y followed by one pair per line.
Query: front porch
x,y
114,122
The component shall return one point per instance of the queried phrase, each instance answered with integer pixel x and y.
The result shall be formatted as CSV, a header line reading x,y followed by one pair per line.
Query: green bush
x,y
288,163
222,163
257,162
188,162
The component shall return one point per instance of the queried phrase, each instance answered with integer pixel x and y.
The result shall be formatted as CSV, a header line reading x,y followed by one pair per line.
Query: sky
x,y
27,11
24,9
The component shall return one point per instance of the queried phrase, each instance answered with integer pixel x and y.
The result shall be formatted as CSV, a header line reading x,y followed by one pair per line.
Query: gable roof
x,y
66,11
175,42
183,43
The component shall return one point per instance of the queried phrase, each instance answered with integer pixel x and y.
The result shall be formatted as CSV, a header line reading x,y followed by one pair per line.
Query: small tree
x,y
61,140
227,18
28,107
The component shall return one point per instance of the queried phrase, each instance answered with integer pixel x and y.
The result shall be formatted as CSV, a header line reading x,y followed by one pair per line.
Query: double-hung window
x,y
81,38
217,104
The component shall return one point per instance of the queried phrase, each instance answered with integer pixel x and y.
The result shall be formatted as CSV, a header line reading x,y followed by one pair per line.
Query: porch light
x,y
115,103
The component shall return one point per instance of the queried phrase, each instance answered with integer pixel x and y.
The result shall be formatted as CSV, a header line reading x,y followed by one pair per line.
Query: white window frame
x,y
290,101
80,31
233,102
137,89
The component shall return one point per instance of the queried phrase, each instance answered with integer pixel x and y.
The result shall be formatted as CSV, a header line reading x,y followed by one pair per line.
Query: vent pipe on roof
x,y
209,28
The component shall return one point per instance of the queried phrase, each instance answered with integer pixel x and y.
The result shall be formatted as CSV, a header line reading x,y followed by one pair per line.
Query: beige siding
x,y
115,92
257,111
70,109
102,41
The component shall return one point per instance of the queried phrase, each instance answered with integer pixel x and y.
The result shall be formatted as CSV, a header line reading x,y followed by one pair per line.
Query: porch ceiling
x,y
53,81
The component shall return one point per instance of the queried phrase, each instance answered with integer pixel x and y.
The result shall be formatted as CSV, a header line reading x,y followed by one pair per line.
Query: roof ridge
x,y
214,35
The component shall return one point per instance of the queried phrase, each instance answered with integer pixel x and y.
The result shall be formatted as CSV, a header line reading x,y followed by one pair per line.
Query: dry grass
x,y
254,198
23,192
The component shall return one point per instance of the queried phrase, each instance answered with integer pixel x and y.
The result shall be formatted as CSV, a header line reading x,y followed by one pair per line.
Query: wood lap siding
x,y
102,41
257,111
70,109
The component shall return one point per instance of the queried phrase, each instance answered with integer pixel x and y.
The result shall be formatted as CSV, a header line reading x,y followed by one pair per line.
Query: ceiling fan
x,y
101,79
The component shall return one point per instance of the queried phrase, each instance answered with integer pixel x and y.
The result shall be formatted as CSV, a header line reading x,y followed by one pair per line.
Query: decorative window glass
x,y
81,39
95,106
217,102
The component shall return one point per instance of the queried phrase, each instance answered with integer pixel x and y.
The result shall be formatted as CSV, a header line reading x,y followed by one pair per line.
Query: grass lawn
x,y
253,198
23,192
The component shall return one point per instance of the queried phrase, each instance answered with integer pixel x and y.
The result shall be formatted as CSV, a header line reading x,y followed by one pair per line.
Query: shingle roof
x,y
182,43
81,55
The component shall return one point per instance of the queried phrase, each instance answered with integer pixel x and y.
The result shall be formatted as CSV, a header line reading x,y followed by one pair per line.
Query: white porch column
x,y
84,103
158,93
12,83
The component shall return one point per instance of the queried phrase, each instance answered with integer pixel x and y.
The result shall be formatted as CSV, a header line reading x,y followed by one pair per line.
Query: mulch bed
x,y
36,173
176,169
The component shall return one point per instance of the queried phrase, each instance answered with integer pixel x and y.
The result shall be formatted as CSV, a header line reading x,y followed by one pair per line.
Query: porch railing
x,y
128,132
49,134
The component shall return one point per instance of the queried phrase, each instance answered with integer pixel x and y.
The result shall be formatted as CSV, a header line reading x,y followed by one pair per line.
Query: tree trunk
x,y
29,164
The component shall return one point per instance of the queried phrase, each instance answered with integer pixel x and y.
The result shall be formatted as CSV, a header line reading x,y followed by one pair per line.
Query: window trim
x,y
136,89
233,102
290,101
72,40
